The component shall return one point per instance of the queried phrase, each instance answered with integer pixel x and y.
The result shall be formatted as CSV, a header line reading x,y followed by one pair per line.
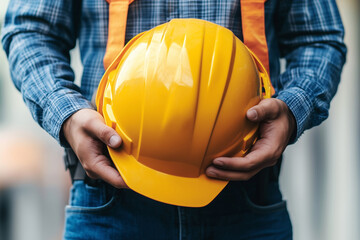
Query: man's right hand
x,y
88,136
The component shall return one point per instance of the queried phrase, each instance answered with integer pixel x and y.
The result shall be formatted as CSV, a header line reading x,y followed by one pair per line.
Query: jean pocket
x,y
272,207
90,199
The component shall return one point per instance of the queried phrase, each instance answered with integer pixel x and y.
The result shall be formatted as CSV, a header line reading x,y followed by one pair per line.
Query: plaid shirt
x,y
38,35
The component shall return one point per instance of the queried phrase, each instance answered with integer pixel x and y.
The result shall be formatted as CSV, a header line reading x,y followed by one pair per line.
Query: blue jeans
x,y
240,211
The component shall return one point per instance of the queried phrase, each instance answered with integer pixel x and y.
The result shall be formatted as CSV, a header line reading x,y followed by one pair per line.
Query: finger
x,y
261,155
104,170
106,134
217,173
266,109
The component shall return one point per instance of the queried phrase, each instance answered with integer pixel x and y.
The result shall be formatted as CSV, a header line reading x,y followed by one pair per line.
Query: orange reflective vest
x,y
253,27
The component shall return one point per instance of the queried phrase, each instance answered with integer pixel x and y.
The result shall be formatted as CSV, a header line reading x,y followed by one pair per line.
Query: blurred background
x,y
320,176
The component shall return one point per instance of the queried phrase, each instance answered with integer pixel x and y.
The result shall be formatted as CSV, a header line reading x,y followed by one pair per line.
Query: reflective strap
x,y
253,27
118,10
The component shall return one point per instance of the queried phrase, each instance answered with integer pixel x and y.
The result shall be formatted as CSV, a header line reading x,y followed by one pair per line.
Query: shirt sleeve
x,y
37,37
310,34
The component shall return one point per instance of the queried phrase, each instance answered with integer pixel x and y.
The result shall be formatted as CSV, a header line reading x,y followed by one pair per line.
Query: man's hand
x,y
88,136
277,124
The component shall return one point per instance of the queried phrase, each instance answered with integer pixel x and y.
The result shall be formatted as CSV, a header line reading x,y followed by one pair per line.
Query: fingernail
x,y
218,162
114,140
252,114
211,174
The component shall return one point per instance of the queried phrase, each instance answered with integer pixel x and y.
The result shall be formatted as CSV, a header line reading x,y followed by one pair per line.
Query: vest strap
x,y
118,10
253,27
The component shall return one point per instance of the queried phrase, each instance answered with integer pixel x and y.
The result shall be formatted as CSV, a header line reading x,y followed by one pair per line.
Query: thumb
x,y
267,109
106,134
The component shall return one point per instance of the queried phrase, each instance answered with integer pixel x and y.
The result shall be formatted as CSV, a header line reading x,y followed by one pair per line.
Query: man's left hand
x,y
277,125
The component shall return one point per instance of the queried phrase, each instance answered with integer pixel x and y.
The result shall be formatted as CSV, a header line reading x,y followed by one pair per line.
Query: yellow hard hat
x,y
178,95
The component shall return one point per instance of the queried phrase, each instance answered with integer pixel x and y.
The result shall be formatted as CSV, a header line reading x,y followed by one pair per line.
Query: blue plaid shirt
x,y
38,35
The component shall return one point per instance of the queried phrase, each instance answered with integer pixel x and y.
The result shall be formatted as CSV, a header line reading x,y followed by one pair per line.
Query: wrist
x,y
68,125
292,122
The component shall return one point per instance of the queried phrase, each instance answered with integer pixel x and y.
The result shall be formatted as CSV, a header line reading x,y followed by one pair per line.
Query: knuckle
x,y
261,111
90,172
120,185
269,103
272,160
88,124
277,153
281,106
86,167
117,185
89,168
277,105
232,163
223,177
246,177
103,133
272,163
250,165
271,108
91,175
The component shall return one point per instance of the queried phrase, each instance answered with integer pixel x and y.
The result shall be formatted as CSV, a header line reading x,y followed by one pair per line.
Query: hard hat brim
x,y
166,188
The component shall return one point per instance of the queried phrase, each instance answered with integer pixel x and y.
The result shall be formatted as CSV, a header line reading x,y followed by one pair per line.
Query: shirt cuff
x,y
59,106
300,105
